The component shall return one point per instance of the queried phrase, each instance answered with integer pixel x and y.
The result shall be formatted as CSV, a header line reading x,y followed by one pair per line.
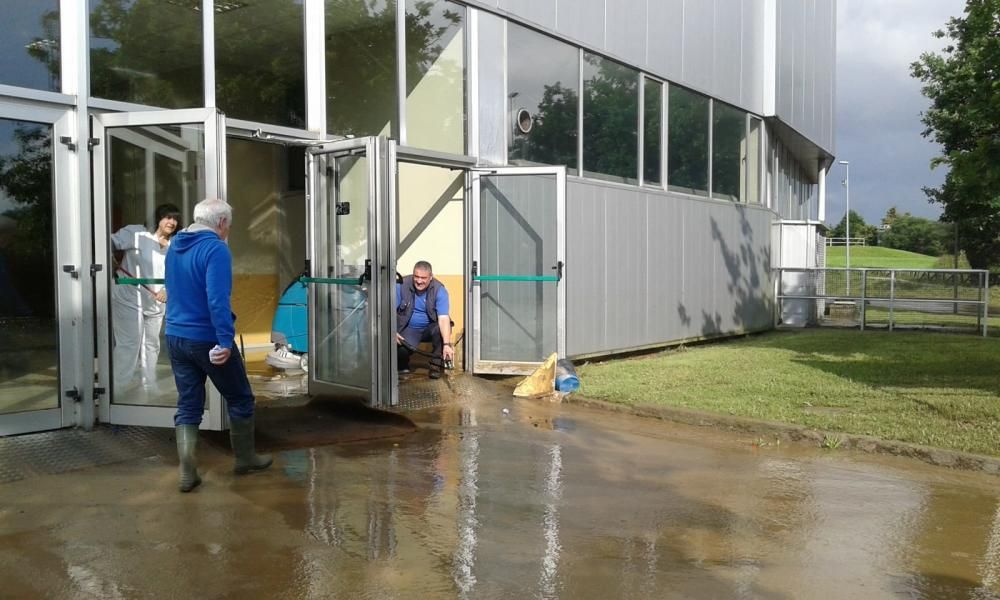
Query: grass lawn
x,y
875,257
934,389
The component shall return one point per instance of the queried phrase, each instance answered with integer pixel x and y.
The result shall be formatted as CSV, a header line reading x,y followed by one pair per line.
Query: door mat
x,y
319,422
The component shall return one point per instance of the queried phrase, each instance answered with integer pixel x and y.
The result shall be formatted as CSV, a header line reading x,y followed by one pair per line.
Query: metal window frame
x,y
214,125
68,286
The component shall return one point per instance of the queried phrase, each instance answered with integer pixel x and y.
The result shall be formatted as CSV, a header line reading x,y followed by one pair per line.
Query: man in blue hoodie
x,y
200,331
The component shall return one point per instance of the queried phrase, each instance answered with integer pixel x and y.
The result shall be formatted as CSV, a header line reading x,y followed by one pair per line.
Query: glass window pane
x,y
29,44
728,149
342,325
610,120
542,98
260,62
753,163
652,140
361,67
147,52
29,343
435,75
687,141
149,167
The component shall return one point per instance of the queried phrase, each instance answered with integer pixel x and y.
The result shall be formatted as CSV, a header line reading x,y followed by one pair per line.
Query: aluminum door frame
x,y
473,308
73,358
380,152
214,123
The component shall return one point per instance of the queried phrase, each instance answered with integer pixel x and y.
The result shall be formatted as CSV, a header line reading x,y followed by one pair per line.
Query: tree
x,y
917,234
964,118
890,216
859,229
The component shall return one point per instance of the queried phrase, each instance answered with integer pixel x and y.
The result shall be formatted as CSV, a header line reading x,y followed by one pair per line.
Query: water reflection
x,y
484,505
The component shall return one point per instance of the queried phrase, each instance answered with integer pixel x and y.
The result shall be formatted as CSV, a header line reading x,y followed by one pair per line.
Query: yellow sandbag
x,y
539,383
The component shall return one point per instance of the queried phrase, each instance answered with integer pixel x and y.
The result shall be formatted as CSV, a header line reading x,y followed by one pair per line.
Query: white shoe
x,y
283,358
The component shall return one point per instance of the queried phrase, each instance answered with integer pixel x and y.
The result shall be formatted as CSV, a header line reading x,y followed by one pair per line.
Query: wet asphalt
x,y
542,500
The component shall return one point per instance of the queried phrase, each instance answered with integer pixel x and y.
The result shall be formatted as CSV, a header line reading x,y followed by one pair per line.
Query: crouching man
x,y
422,316
200,331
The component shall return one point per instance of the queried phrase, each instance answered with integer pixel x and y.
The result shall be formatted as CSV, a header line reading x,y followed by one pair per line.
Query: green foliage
x,y
964,118
553,132
920,235
610,118
859,229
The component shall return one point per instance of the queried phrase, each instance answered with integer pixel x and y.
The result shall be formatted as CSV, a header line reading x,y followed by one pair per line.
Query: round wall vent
x,y
523,120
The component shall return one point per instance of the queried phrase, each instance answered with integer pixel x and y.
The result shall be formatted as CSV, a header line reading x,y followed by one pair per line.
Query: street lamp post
x,y
847,197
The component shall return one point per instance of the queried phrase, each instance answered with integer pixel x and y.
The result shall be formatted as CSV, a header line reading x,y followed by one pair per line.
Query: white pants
x,y
137,343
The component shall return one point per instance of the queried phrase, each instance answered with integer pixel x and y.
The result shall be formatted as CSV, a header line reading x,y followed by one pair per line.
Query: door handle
x,y
559,270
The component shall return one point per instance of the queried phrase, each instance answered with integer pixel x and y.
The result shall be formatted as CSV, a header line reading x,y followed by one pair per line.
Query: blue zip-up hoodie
x,y
199,282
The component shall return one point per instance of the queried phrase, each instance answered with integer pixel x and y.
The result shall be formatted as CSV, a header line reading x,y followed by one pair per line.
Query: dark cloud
x,y
879,106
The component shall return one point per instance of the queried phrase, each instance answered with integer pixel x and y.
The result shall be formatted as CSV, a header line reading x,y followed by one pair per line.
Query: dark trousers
x,y
189,360
413,337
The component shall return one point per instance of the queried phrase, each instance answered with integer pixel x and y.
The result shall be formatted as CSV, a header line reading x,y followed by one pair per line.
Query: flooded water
x,y
541,501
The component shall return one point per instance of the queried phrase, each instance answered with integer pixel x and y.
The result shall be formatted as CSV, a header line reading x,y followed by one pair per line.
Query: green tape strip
x,y
138,281
515,278
329,280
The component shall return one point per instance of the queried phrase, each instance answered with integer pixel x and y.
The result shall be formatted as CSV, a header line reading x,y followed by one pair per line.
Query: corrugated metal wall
x,y
806,69
715,46
645,268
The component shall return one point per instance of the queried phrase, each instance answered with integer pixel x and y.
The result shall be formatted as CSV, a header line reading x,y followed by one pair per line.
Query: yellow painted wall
x,y
431,222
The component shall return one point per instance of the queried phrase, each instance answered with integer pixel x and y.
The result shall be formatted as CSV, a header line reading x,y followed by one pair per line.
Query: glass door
x,y
40,273
518,294
146,165
350,293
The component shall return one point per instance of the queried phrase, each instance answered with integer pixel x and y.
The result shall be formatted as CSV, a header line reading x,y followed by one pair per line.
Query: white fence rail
x,y
947,299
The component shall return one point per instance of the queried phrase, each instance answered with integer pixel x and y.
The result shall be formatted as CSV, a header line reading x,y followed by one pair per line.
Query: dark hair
x,y
167,210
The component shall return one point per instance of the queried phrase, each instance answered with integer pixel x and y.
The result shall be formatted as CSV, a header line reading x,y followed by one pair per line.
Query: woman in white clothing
x,y
137,310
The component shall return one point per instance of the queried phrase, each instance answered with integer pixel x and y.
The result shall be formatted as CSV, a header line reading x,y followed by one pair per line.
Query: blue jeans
x,y
189,360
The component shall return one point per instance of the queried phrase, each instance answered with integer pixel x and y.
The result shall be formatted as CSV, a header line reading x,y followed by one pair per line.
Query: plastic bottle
x,y
566,379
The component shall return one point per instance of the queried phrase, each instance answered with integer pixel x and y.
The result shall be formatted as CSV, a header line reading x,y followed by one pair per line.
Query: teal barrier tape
x,y
334,281
515,278
138,281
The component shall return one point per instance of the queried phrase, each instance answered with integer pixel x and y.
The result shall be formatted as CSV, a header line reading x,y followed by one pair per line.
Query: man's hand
x,y
399,339
448,353
161,296
218,356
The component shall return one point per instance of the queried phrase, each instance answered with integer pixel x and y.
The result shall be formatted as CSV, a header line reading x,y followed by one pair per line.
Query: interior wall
x,y
431,222
267,240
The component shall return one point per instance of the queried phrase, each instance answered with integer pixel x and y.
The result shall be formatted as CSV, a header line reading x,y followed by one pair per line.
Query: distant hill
x,y
874,257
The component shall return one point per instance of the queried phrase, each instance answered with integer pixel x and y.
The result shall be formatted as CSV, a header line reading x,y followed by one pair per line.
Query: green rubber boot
x,y
187,443
241,433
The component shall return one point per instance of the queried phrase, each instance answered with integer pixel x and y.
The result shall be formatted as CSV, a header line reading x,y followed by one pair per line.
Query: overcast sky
x,y
879,105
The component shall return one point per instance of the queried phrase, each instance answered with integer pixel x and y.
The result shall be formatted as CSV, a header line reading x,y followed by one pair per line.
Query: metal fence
x,y
947,299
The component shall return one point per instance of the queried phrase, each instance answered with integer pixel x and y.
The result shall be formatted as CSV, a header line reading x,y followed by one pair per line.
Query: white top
x,y
143,258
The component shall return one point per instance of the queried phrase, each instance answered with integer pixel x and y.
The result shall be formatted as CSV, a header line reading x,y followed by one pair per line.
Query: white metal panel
x,y
753,56
540,12
582,20
727,52
665,39
699,43
625,31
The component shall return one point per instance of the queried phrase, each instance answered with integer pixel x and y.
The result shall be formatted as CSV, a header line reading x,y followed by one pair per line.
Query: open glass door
x,y
517,296
40,279
144,160
350,293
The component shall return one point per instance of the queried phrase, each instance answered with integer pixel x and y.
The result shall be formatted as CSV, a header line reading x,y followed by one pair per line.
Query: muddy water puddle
x,y
543,501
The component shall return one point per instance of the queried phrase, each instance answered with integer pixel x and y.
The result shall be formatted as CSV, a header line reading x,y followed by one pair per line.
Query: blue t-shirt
x,y
419,319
